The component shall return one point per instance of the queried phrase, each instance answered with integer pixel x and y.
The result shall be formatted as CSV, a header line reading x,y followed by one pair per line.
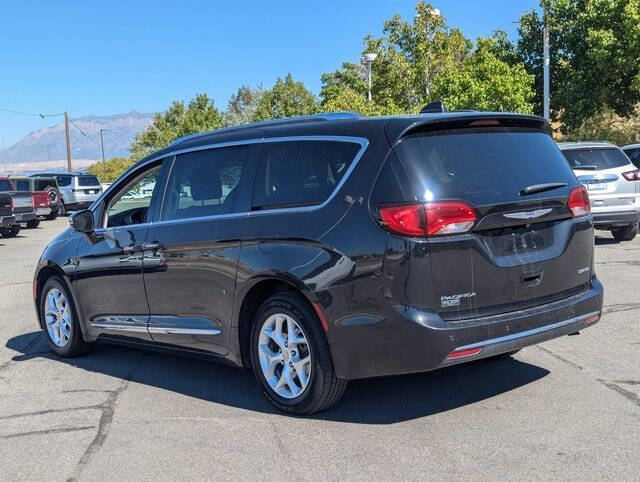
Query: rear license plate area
x,y
597,185
520,240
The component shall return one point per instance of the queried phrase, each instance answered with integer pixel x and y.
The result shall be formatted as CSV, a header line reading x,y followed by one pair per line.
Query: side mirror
x,y
82,221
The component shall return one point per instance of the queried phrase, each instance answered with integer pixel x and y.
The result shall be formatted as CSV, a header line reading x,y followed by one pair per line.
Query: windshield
x,y
482,166
595,159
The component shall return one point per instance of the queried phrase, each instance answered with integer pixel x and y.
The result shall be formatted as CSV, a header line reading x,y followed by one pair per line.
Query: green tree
x,y
486,81
287,98
199,116
111,169
595,47
242,105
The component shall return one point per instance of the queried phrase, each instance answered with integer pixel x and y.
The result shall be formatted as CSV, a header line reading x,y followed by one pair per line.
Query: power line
x,y
5,109
83,133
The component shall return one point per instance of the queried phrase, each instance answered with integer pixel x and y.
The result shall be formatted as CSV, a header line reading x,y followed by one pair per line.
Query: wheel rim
x,y
57,315
284,354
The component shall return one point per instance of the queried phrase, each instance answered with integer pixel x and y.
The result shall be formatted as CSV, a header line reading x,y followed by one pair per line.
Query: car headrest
x,y
206,184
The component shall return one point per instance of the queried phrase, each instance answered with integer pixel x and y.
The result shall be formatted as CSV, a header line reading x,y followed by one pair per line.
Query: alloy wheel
x,y
57,314
285,356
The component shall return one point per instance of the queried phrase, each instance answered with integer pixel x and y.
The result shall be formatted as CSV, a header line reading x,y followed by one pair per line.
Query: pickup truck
x,y
23,206
8,228
48,197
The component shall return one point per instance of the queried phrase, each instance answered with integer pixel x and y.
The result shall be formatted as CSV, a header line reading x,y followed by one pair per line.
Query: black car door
x,y
109,272
190,277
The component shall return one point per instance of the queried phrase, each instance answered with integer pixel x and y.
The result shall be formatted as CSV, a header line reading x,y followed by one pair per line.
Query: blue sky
x,y
114,56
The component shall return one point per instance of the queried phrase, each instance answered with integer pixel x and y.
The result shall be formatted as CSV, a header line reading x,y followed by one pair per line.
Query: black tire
x,y
61,209
53,194
324,389
33,224
11,231
75,345
53,214
626,233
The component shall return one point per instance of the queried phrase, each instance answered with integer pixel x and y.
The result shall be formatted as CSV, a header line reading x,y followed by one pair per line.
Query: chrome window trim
x,y
364,144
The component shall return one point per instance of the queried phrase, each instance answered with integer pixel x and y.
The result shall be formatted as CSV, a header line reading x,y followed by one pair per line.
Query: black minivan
x,y
333,247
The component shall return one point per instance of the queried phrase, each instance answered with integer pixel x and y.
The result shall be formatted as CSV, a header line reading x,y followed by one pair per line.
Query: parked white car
x,y
613,183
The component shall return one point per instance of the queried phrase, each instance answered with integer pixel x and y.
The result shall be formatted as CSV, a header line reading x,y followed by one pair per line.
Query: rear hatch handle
x,y
536,188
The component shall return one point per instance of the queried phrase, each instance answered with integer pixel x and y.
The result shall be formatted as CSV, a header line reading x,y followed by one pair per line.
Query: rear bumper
x,y
418,341
6,221
43,211
25,217
624,218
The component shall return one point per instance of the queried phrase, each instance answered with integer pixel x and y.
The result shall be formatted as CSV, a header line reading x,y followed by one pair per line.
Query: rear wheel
x,y
291,358
11,231
33,224
60,320
61,209
52,215
626,233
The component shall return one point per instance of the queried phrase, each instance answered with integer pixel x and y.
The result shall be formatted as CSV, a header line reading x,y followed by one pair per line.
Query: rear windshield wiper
x,y
587,168
536,188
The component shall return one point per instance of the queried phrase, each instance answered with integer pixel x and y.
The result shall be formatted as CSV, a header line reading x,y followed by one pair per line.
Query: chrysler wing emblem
x,y
528,214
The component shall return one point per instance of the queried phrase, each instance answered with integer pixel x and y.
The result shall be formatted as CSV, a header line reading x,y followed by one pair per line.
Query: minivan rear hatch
x,y
526,246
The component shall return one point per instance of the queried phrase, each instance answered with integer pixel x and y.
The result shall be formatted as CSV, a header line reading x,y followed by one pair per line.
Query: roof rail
x,y
435,107
285,120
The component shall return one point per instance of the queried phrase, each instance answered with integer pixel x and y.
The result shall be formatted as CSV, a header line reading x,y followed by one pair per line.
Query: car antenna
x,y
435,107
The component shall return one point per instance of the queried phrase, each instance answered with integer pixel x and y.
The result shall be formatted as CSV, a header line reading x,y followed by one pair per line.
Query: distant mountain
x,y
49,144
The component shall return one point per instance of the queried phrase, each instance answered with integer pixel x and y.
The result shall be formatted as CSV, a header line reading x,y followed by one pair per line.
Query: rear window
x,y
300,173
634,155
88,181
482,166
64,181
43,184
21,185
595,159
5,185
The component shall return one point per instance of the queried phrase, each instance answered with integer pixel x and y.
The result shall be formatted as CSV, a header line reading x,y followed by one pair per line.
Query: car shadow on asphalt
x,y
374,401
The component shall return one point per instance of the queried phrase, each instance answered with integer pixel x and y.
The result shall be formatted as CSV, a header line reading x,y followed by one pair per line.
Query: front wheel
x,y
33,224
291,358
52,215
61,209
627,233
60,320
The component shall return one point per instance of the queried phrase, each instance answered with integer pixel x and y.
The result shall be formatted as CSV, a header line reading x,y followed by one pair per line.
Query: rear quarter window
x,y
481,166
634,155
300,173
595,159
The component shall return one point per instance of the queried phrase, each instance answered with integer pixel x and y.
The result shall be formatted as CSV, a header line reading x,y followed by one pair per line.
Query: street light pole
x,y
66,130
368,59
104,166
545,48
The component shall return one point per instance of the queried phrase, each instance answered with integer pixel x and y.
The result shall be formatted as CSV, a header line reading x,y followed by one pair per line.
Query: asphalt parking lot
x,y
567,409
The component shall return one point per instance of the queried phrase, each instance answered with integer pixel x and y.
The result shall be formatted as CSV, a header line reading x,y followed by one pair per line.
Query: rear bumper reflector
x,y
463,352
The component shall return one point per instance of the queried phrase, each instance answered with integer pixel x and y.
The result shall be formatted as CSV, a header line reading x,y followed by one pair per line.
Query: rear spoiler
x,y
398,128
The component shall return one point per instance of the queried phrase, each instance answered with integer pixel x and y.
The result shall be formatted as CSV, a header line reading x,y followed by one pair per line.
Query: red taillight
x,y
432,219
632,175
579,202
449,218
592,318
407,220
461,353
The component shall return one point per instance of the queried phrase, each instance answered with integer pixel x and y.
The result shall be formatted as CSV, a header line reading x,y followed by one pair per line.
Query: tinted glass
x,y
5,185
21,185
206,183
482,166
64,181
43,184
634,155
88,181
130,205
300,172
595,159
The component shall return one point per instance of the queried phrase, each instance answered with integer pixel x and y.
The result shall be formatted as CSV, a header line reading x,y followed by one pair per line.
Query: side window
x,y
22,185
64,181
131,203
300,173
206,183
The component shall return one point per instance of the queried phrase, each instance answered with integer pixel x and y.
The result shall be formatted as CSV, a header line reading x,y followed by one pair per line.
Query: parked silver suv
x,y
613,183
77,190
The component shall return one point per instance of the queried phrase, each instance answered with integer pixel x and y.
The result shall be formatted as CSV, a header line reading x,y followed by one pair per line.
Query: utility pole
x,y
545,49
104,166
66,128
